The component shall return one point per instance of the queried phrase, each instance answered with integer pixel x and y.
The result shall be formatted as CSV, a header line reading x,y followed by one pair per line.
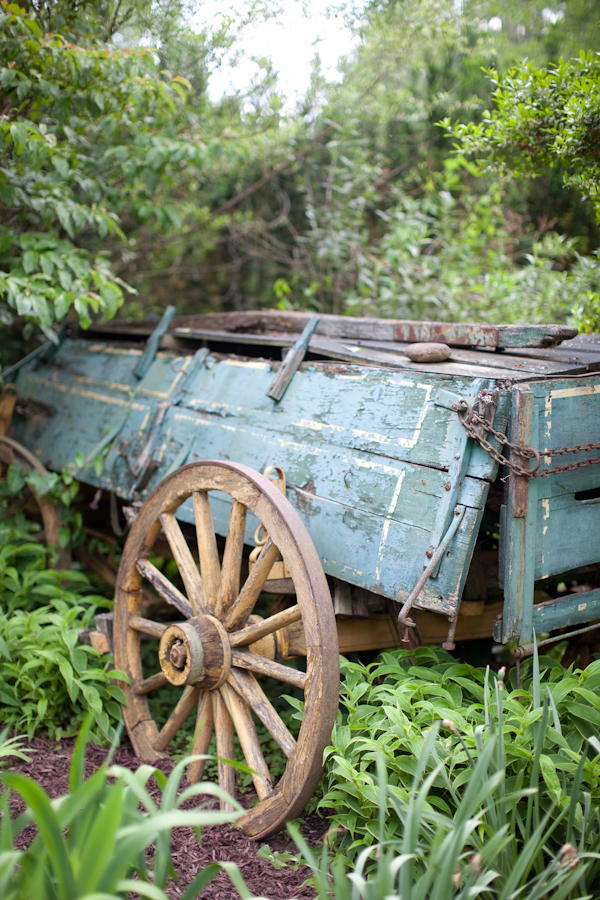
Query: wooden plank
x,y
567,413
380,630
151,349
517,361
337,404
385,329
359,353
518,575
290,366
568,611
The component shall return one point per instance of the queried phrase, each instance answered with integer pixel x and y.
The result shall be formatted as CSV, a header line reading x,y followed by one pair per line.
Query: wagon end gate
x,y
550,524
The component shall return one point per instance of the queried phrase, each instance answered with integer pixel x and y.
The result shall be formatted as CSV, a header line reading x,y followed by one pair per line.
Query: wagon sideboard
x,y
375,456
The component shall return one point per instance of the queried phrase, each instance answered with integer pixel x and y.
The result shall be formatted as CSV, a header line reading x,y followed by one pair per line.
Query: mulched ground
x,y
49,766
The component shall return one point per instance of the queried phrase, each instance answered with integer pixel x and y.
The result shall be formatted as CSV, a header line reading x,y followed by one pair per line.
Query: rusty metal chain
x,y
474,423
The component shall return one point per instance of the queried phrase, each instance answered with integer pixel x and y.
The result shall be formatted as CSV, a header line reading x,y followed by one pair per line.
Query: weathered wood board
x,y
559,526
368,453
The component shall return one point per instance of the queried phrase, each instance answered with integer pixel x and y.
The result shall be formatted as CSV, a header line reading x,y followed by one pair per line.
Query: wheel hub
x,y
196,652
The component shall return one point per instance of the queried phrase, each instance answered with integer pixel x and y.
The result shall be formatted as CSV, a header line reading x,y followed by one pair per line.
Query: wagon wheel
x,y
11,450
215,654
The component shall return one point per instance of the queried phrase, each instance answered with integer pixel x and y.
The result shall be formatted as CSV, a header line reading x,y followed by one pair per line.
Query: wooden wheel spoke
x,y
150,684
232,558
245,659
164,587
147,626
185,561
225,748
243,606
187,702
210,568
250,690
255,632
205,726
248,738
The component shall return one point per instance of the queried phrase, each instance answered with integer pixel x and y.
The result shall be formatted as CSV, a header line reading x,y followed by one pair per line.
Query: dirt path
x,y
49,766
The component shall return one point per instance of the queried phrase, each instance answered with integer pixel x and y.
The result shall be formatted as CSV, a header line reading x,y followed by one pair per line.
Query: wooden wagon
x,y
401,502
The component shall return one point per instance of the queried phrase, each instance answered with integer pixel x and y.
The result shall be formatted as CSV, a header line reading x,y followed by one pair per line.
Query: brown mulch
x,y
49,766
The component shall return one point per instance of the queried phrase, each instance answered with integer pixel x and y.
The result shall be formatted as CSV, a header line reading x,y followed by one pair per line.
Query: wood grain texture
x,y
253,586
205,725
255,632
145,685
225,747
210,567
186,703
163,586
248,738
251,692
147,626
232,558
185,561
290,366
345,436
463,334
245,659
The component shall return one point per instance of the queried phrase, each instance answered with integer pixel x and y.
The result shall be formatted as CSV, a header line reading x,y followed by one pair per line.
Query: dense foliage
x,y
430,719
118,169
48,680
544,117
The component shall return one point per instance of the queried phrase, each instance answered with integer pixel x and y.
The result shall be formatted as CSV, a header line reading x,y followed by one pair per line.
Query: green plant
x,y
543,729
91,843
12,746
544,117
470,853
60,489
48,680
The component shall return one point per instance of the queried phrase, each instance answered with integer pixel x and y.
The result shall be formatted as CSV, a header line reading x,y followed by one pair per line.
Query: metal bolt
x,y
178,654
447,486
429,553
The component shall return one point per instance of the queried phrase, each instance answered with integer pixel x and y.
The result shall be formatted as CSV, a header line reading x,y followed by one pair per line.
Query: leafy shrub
x,y
48,680
92,842
543,727
60,489
470,853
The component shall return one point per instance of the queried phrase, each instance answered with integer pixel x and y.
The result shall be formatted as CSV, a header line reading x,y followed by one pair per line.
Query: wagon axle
x,y
196,652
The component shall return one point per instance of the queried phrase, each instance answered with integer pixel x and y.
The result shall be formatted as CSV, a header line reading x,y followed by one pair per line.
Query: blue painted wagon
x,y
401,502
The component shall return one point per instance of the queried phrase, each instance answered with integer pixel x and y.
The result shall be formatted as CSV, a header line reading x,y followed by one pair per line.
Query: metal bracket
x,y
457,518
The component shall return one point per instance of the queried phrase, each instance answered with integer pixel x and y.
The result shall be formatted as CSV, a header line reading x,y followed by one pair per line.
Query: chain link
x,y
474,424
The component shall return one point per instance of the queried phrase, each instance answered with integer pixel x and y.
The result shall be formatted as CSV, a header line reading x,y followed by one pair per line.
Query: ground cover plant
x,y
48,680
93,841
470,852
422,713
